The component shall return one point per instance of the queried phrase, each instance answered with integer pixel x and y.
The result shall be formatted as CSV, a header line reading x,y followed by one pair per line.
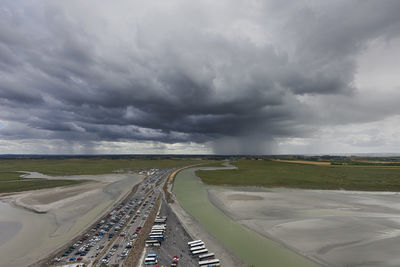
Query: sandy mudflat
x,y
64,213
336,228
9,229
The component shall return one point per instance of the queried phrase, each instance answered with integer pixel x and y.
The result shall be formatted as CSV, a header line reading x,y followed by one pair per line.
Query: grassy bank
x,y
77,166
11,182
279,174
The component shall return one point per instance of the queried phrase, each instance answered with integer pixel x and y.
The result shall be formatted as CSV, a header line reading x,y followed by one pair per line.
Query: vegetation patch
x,y
11,182
80,166
282,174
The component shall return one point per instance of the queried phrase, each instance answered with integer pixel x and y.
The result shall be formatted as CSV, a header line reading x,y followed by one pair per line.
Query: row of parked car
x,y
143,212
108,226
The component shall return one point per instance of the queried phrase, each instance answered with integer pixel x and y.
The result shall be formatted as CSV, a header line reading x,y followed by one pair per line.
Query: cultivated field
x,y
282,174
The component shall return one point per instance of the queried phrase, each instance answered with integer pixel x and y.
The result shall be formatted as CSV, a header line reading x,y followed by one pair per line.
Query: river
x,y
253,249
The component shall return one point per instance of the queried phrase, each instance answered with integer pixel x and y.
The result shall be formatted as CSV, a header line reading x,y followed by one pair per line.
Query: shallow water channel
x,y
252,248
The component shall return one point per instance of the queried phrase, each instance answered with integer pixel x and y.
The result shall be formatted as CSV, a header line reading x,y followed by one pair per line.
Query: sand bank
x,y
336,228
65,212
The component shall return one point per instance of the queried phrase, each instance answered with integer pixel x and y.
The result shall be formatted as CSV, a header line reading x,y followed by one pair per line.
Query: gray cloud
x,y
232,75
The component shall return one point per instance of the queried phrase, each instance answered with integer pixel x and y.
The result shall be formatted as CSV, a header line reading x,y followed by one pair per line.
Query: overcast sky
x,y
179,76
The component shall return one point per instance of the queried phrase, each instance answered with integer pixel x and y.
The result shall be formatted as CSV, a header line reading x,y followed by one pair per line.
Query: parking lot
x,y
110,240
174,243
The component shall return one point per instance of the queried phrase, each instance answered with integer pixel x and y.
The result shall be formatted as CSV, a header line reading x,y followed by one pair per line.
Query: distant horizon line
x,y
198,155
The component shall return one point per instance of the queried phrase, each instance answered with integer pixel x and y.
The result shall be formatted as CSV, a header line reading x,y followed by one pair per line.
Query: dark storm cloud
x,y
181,72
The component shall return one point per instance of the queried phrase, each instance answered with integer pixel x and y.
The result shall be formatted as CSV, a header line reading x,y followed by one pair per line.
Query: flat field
x,y
78,166
11,182
281,174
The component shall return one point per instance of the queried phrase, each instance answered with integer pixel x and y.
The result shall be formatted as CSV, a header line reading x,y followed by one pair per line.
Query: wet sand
x,y
13,227
335,228
46,219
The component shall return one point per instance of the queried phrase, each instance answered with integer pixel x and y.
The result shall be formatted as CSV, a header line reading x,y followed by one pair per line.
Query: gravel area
x,y
175,242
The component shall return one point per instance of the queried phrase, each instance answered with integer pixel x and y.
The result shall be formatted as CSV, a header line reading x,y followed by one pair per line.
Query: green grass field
x,y
11,182
78,166
278,174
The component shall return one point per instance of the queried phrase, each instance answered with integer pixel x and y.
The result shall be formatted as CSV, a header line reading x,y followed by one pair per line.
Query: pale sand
x,y
13,227
197,231
336,228
243,197
304,162
67,212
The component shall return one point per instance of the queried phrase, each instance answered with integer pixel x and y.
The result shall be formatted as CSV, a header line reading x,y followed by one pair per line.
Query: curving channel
x,y
254,249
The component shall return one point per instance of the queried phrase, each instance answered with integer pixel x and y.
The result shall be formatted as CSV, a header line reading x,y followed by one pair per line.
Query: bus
x,y
193,242
213,262
150,261
158,237
153,243
157,231
151,255
197,248
199,252
160,226
197,244
206,256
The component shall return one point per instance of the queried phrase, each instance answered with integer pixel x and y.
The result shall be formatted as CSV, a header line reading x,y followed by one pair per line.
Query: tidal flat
x,y
333,227
38,222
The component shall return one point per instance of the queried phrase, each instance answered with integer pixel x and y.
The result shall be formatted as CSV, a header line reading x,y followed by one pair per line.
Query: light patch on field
x,y
305,162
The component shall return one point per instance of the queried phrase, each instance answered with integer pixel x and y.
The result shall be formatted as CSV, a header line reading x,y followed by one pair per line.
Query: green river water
x,y
252,248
